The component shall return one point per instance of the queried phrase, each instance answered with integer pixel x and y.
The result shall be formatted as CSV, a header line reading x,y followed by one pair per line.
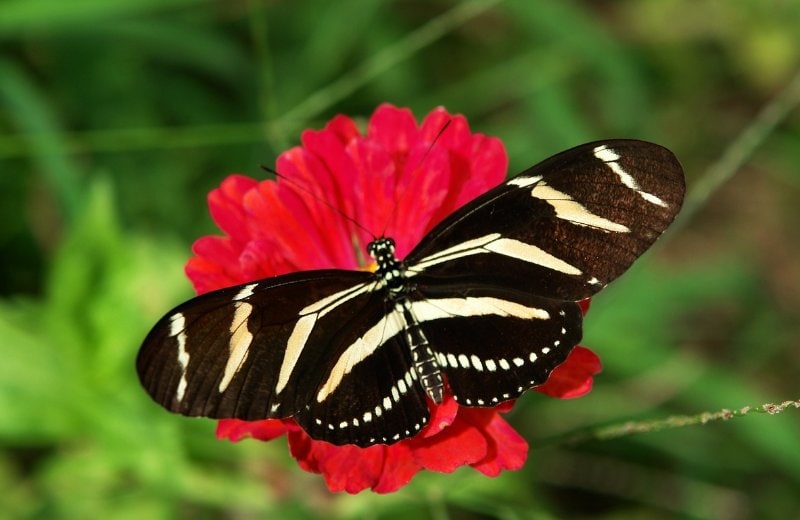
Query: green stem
x,y
676,421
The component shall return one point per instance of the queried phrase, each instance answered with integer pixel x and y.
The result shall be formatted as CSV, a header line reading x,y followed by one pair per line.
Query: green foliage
x,y
117,118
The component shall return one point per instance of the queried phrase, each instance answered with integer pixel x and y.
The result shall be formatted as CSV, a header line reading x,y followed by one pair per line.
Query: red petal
x,y
349,468
457,445
399,468
302,218
573,377
395,129
300,447
488,163
442,416
344,468
375,182
507,449
344,128
421,195
225,205
215,264
236,430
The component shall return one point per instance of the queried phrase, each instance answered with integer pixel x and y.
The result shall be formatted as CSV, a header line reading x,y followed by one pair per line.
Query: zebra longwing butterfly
x,y
484,307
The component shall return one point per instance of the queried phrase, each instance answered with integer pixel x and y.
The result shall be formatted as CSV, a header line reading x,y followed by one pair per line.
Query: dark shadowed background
x,y
117,118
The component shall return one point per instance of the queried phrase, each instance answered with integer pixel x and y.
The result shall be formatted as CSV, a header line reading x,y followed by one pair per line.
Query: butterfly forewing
x,y
252,351
564,228
484,305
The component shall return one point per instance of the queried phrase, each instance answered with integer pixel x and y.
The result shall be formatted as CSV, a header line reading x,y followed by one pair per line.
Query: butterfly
x,y
483,308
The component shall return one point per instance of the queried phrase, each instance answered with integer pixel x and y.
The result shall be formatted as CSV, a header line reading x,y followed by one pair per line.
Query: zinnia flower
x,y
396,181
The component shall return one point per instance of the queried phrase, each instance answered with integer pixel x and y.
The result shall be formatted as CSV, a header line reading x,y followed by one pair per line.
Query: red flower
x,y
275,227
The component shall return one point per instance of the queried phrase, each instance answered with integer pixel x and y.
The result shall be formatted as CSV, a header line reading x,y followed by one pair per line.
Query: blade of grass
x,y
385,59
264,74
127,139
28,107
27,17
740,150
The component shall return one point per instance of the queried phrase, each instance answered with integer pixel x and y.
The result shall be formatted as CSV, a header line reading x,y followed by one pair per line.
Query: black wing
x,y
494,343
322,347
378,402
563,228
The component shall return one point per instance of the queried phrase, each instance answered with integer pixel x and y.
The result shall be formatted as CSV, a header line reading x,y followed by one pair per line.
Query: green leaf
x,y
23,17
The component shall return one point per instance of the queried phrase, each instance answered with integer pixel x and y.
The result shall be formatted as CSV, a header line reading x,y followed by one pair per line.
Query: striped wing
x,y
564,228
257,350
322,347
378,401
494,343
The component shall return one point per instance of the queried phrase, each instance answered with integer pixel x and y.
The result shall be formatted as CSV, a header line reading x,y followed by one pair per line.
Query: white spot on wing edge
x,y
476,363
452,361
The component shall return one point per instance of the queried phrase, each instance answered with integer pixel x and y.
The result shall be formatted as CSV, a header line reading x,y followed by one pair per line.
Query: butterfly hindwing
x,y
499,343
564,228
378,401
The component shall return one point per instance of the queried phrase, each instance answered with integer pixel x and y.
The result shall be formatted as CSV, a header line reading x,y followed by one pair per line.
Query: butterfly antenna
x,y
319,199
415,172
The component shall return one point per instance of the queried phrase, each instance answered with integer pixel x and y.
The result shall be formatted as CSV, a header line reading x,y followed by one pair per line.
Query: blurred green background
x,y
117,118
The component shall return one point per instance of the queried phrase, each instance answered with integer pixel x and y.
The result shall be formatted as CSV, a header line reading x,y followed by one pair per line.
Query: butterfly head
x,y
389,268
381,250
